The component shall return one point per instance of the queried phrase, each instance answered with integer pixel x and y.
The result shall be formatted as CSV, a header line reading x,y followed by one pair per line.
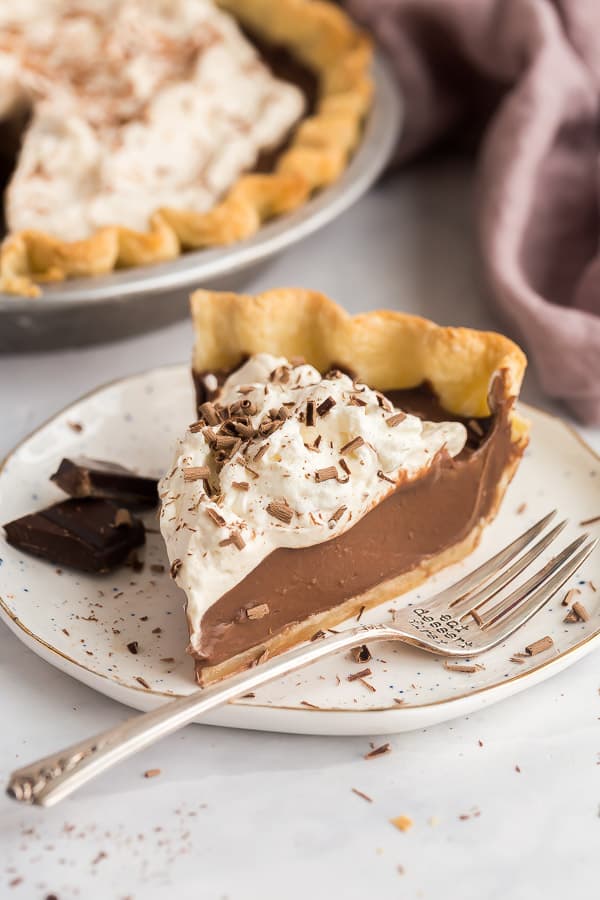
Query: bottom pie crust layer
x,y
421,528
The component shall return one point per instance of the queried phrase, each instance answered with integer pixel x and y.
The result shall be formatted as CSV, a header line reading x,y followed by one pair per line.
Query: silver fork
x,y
460,621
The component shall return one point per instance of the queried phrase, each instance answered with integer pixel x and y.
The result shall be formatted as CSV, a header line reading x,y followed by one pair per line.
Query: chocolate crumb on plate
x,y
142,681
133,647
396,419
361,654
569,596
356,675
539,646
468,668
362,794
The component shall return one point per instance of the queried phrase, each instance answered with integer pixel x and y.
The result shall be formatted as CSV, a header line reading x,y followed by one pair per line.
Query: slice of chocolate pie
x,y
335,462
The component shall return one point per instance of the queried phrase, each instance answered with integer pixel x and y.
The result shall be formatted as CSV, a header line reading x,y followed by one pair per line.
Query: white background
x,y
243,815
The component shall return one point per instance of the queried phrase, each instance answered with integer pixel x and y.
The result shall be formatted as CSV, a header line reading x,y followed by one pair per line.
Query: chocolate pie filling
x,y
418,520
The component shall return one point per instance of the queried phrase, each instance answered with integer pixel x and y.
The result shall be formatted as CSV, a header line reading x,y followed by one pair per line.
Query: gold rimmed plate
x,y
82,624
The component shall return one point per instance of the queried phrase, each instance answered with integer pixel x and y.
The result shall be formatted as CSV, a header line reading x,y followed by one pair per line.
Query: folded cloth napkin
x,y
534,67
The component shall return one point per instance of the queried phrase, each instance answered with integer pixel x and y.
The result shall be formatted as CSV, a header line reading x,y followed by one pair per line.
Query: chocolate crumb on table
x,y
378,751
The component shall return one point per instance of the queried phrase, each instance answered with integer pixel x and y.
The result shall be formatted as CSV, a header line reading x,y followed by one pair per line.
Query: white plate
x,y
82,624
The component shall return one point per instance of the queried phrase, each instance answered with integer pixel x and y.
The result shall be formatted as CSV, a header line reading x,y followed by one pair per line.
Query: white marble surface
x,y
244,815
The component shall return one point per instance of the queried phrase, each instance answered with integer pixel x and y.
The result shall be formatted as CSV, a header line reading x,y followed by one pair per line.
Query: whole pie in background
x,y
132,130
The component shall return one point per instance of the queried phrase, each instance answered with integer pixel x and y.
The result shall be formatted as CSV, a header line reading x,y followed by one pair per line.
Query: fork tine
x,y
512,620
481,597
521,593
458,591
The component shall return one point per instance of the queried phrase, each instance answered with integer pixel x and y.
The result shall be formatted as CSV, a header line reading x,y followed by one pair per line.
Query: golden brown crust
x,y
387,350
322,37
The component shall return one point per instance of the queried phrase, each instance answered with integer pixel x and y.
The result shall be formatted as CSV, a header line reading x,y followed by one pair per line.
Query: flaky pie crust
x,y
386,349
323,38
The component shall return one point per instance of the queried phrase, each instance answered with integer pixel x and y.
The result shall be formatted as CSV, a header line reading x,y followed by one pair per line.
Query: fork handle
x,y
53,778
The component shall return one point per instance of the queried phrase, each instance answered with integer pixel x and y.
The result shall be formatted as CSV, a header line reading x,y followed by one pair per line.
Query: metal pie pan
x,y
109,307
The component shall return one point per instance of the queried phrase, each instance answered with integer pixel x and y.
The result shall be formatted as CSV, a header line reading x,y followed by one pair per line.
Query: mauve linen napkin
x,y
535,66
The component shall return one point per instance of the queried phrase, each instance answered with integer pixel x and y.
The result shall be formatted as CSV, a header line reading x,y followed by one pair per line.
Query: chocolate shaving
x,y
261,451
344,465
195,473
361,654
361,794
310,412
258,612
354,444
318,635
133,647
399,700
142,681
234,538
356,401
378,751
210,435
209,413
580,612
356,675
384,477
151,773
368,685
215,516
383,402
591,521
395,419
195,427
240,485
539,646
569,596
310,705
75,426
175,567
337,515
281,373
326,474
463,667
324,407
253,472
279,509
521,508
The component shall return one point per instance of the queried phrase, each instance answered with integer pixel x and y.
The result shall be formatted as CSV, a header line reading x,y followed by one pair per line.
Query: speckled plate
x,y
82,624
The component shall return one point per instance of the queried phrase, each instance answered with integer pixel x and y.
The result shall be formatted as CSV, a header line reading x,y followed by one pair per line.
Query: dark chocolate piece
x,y
81,534
83,477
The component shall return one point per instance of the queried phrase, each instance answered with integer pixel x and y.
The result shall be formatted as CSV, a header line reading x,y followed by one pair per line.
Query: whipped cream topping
x,y
312,456
137,104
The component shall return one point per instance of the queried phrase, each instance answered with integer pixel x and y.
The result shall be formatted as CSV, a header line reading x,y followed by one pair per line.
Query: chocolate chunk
x,y
83,477
78,533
